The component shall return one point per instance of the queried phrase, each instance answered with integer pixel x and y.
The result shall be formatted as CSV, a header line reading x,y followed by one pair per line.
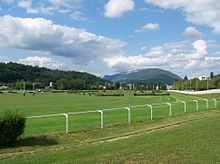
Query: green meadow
x,y
190,137
55,103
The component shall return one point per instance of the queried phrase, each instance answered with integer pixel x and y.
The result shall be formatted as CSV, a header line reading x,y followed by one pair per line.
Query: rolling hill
x,y
14,74
153,75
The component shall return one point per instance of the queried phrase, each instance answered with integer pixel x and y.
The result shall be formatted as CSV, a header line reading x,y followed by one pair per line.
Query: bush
x,y
116,94
12,92
143,94
12,126
161,94
153,93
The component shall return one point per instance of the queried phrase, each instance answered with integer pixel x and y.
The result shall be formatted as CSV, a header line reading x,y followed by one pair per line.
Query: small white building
x,y
204,78
3,87
51,84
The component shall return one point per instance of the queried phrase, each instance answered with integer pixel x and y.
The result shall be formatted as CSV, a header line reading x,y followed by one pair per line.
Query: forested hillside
x,y
152,75
14,74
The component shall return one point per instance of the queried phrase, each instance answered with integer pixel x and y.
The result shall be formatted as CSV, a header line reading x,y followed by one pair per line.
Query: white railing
x,y
129,108
54,115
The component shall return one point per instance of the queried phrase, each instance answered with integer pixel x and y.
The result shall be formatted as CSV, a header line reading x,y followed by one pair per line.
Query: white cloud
x,y
191,64
212,62
7,1
205,12
156,57
41,62
152,26
176,47
77,15
122,63
192,32
178,56
200,46
194,59
116,8
217,53
65,3
199,52
27,4
49,6
149,26
39,34
143,48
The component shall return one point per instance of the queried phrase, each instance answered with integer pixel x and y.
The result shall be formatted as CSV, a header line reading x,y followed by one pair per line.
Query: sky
x,y
105,37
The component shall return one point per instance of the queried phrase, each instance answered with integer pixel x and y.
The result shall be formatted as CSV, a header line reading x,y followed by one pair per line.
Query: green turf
x,y
192,138
50,103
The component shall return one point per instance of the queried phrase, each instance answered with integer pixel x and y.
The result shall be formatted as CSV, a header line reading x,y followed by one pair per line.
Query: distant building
x,y
51,84
3,87
130,86
102,87
204,78
169,87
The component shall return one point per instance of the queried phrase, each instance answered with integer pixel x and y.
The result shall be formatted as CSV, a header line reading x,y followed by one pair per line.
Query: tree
x,y
211,75
185,78
117,85
13,74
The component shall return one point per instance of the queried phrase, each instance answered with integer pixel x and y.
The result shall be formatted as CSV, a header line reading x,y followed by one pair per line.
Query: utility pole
x,y
190,85
33,89
24,88
207,84
196,84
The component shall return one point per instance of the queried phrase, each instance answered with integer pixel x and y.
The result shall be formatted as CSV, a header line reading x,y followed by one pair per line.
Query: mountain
x,y
15,73
153,75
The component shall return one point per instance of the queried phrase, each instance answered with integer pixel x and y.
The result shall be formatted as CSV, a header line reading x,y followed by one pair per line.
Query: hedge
x,y
116,94
152,94
12,126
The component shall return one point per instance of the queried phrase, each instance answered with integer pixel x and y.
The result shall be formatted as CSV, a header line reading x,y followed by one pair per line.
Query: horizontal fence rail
x,y
128,109
54,115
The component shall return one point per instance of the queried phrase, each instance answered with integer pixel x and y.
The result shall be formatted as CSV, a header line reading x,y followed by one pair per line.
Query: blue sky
x,y
110,36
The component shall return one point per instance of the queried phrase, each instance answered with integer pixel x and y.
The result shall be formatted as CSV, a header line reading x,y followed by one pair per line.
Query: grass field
x,y
183,138
190,138
52,103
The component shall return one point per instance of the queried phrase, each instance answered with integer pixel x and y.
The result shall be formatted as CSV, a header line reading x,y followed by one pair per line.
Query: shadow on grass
x,y
39,141
32,141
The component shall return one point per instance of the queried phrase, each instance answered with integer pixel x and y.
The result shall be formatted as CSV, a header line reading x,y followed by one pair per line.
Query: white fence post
x,y
184,105
53,115
215,102
207,104
151,112
67,123
129,114
170,108
197,105
102,119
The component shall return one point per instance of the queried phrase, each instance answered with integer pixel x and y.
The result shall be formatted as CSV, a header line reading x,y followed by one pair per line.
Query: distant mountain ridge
x,y
152,75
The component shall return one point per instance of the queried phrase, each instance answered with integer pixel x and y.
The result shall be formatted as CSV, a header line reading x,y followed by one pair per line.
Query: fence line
x,y
66,115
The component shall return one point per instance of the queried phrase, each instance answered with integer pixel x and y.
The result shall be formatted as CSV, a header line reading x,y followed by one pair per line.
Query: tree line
x,y
212,82
13,75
